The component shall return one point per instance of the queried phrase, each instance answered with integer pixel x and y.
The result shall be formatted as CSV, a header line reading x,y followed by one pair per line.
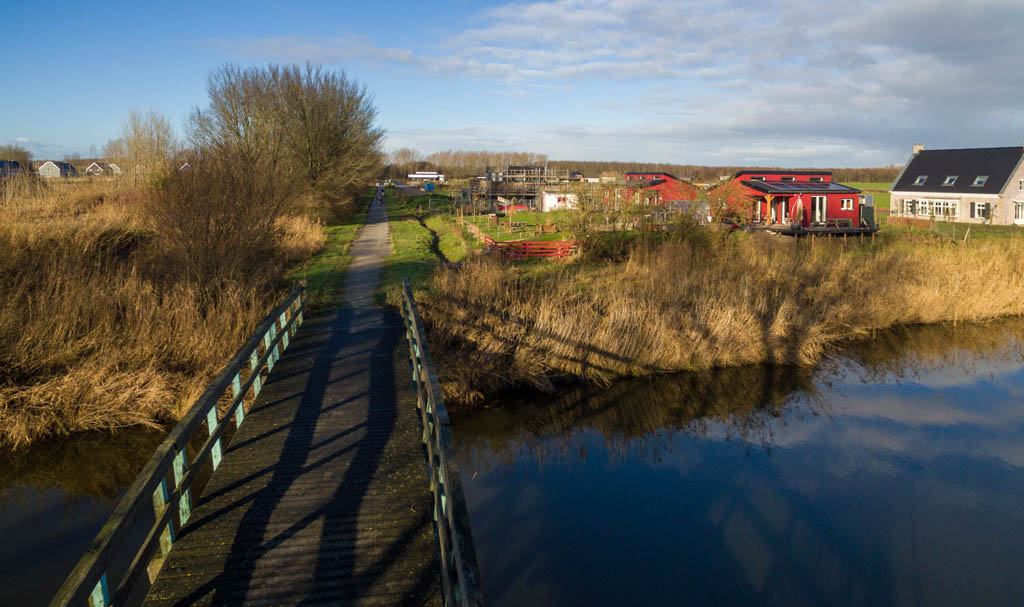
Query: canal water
x,y
891,474
54,497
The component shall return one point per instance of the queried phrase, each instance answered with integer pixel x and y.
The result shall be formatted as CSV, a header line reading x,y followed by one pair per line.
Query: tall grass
x,y
698,302
96,331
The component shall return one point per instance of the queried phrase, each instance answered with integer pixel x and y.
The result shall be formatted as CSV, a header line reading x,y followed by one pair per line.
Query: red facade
x,y
665,187
788,197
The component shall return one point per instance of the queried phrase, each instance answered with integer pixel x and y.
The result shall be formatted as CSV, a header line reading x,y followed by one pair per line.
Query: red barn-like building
x,y
666,185
648,188
791,197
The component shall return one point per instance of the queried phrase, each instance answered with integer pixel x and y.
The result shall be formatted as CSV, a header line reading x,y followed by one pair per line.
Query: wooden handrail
x,y
460,574
168,477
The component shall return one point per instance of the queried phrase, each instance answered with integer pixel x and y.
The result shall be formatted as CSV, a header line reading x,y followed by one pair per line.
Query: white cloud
x,y
22,139
745,81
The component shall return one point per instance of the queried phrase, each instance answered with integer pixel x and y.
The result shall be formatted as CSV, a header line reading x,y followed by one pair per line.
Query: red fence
x,y
525,249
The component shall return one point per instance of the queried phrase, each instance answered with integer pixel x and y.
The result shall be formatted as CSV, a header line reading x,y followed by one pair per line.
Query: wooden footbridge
x,y
312,471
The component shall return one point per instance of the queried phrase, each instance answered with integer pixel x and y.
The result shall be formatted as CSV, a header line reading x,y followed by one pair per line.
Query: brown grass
x,y
95,331
703,303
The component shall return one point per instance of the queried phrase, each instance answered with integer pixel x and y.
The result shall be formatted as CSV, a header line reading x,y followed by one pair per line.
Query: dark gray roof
x,y
967,164
797,187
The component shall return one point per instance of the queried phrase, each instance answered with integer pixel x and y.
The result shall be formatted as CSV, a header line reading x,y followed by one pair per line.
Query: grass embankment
x,y
422,237
98,329
702,300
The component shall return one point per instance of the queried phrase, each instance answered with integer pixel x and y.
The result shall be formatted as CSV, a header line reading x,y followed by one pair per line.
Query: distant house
x,y
98,169
666,185
550,201
54,168
426,176
10,168
972,185
808,198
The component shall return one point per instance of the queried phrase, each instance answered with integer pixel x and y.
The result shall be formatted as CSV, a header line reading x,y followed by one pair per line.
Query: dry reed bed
x,y
95,332
681,306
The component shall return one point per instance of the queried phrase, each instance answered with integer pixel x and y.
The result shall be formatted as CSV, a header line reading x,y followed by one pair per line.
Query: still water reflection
x,y
54,497
892,474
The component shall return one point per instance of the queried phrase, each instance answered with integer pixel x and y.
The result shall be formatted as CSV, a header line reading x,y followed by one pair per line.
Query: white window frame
x,y
846,204
979,181
817,180
758,178
950,180
787,179
824,208
920,180
974,210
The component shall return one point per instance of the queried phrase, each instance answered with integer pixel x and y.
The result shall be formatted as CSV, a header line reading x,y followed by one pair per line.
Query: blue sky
x,y
771,82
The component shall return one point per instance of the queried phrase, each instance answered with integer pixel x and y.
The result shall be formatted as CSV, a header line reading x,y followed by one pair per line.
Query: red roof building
x,y
791,197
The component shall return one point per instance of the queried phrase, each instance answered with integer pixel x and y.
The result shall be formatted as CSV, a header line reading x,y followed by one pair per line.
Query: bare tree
x,y
18,154
147,140
330,127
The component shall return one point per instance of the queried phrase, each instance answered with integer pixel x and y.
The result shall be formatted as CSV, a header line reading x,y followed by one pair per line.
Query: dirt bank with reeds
x,y
704,300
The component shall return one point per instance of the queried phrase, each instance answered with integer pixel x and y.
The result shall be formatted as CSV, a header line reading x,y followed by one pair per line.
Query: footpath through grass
x,y
325,271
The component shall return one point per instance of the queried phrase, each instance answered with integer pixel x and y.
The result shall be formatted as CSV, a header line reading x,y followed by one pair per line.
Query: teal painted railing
x,y
144,524
460,574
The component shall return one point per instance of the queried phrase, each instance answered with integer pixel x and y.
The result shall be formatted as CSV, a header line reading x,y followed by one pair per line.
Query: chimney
x,y
918,148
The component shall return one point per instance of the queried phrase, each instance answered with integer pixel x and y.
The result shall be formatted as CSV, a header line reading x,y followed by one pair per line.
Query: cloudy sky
x,y
790,82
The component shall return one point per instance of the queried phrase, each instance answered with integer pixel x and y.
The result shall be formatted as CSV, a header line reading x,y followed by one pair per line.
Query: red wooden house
x,y
790,197
665,186
648,188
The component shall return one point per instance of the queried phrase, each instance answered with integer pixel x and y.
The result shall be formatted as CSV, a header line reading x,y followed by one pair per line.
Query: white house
x,y
426,176
55,169
972,185
550,201
102,168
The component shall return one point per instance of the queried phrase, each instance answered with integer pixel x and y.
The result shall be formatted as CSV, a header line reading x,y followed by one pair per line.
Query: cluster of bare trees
x,y
456,164
274,141
17,153
146,146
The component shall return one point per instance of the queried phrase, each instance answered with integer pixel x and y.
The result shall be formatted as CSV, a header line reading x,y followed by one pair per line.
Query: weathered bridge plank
x,y
322,496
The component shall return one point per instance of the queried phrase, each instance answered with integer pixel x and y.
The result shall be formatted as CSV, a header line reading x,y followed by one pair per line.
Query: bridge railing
x,y
146,521
460,575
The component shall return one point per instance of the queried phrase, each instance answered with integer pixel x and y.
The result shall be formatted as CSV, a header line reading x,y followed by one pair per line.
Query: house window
x,y
979,210
980,181
909,207
757,178
817,179
950,180
788,179
920,179
847,204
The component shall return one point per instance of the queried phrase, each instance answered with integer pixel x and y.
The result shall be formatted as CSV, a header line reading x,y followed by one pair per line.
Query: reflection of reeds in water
x,y
641,414
909,351
746,403
85,465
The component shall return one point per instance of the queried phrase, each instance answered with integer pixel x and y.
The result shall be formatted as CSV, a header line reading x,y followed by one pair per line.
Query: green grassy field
x,y
957,231
526,232
412,253
879,190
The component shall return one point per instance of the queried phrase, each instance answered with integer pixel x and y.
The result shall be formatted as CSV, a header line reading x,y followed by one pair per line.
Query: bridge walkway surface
x,y
323,496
